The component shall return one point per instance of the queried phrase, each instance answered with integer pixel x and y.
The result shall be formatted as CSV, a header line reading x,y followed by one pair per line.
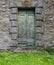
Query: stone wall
x,y
4,24
44,22
48,37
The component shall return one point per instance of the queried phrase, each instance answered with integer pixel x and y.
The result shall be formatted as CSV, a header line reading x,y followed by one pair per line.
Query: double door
x,y
26,28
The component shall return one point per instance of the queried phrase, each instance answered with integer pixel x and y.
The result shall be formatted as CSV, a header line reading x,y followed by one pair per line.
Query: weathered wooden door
x,y
26,28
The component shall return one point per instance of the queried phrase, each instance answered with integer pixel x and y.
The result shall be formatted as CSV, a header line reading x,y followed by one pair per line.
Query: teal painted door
x,y
26,28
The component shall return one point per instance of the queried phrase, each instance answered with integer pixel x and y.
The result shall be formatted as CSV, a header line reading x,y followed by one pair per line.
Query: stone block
x,y
46,40
14,36
33,3
39,23
19,4
39,30
12,4
46,43
51,31
3,10
46,37
13,10
39,17
38,36
40,3
39,43
14,23
13,30
53,43
38,10
13,17
14,43
2,2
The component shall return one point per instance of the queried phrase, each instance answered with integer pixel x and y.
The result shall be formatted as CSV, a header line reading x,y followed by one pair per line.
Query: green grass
x,y
26,58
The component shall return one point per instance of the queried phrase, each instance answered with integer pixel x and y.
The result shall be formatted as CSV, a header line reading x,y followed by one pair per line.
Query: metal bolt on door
x,y
26,28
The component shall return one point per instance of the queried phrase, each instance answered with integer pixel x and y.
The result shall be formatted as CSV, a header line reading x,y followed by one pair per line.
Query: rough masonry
x,y
44,14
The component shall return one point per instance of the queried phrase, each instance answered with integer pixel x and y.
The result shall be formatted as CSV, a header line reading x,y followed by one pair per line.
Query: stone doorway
x,y
26,27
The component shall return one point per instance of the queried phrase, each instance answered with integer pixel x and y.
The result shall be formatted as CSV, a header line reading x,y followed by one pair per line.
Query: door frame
x,y
39,29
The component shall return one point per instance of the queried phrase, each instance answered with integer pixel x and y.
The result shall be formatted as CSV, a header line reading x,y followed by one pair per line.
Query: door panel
x,y
30,28
26,28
